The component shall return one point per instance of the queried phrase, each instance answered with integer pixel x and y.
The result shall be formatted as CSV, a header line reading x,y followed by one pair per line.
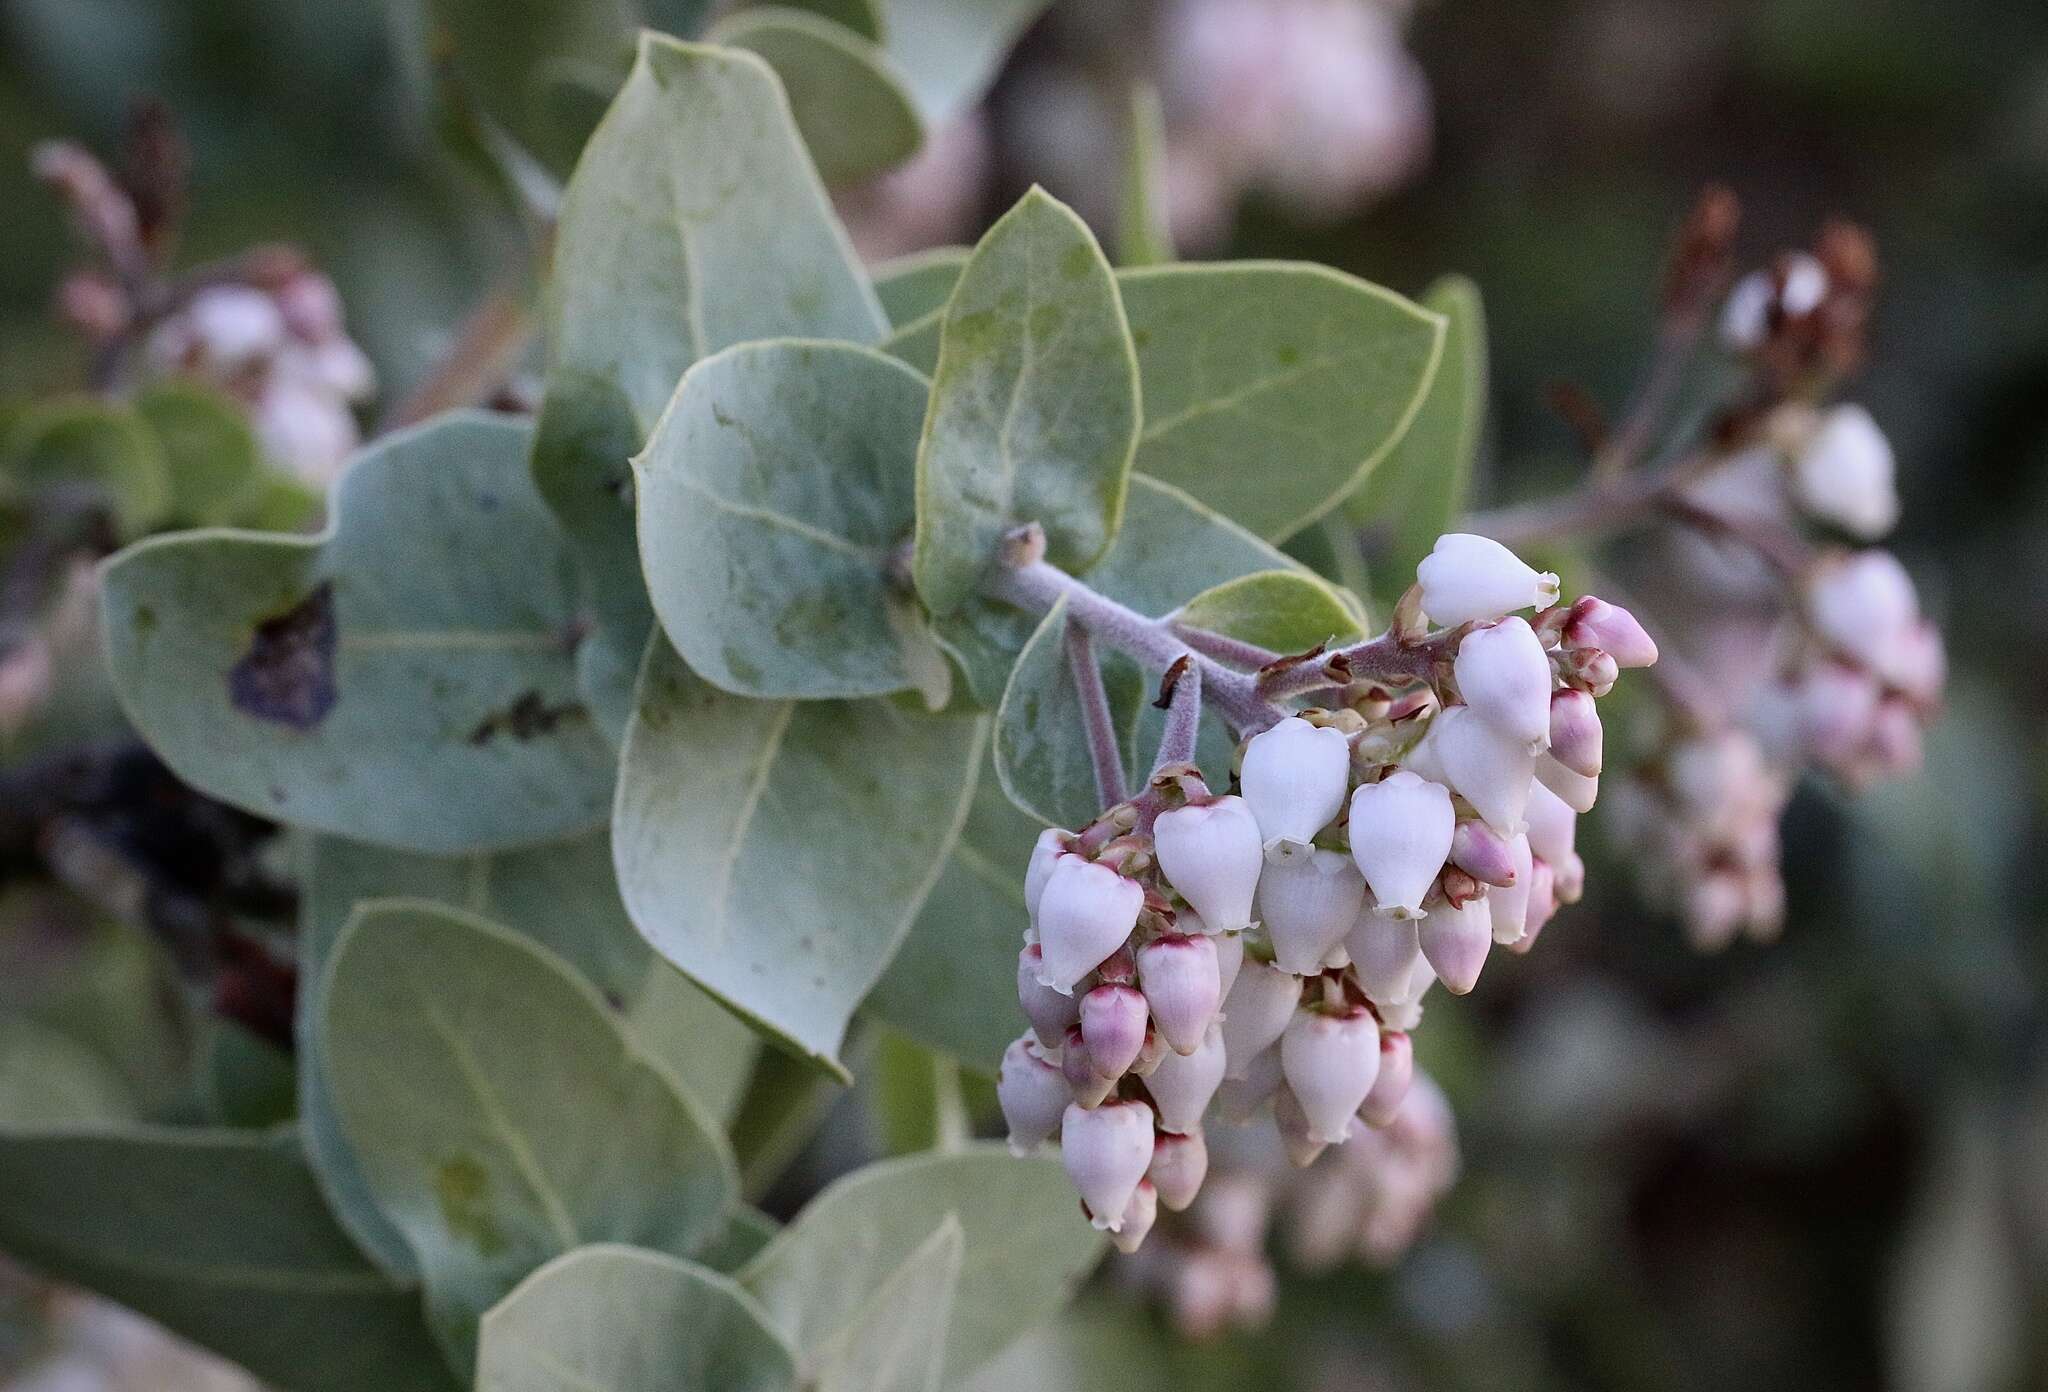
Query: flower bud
x,y
1294,777
1180,1162
1553,827
1467,578
1084,914
1257,1011
1557,883
1509,912
1033,1095
1390,1088
1482,853
1331,1059
1229,958
1139,1216
1051,842
1112,1029
1715,907
1049,1011
1087,1086
1844,475
1149,1053
1832,710
1590,670
1917,663
1486,768
1576,791
1183,986
1861,604
1595,623
1384,953
1576,739
1307,904
1504,675
235,325
1183,1084
1746,315
1106,1152
1211,853
1402,829
1455,942
1290,1119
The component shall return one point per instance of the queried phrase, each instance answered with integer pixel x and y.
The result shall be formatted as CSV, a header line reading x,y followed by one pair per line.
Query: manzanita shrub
x,y
828,634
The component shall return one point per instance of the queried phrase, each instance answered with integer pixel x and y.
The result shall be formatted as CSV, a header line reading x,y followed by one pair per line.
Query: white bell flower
x,y
1504,675
1307,904
1401,832
1331,1059
1212,852
1106,1152
1086,912
1294,777
1468,578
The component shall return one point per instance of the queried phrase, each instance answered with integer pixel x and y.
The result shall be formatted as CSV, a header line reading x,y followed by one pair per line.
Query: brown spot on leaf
x,y
287,675
528,716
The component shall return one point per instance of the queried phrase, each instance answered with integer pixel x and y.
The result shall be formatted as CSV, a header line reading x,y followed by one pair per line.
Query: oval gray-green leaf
x,y
1416,493
499,1114
407,678
847,98
950,49
777,852
99,444
607,1318
1284,611
772,493
562,896
1026,1246
513,59
1034,404
888,1346
221,1236
917,286
1271,388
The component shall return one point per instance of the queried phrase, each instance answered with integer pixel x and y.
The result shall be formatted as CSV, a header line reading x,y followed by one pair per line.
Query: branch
x,y
1103,754
1181,696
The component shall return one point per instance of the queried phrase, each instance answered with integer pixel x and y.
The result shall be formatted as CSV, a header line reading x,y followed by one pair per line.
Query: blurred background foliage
x,y
1820,1164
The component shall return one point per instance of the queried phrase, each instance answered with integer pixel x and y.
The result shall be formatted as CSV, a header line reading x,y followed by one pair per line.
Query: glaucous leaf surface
x,y
499,1114
1034,404
1024,1248
213,468
96,444
917,286
407,678
949,50
515,60
888,1345
1420,488
863,17
245,1081
778,852
845,94
772,492
221,1236
952,985
608,1318
1272,388
1286,611
694,221
560,895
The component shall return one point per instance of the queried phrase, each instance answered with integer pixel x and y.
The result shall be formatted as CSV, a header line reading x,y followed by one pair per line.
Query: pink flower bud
x,y
1047,849
1553,827
1106,1152
1294,777
1183,985
1331,1060
1576,739
1384,953
1049,1011
1509,913
1504,675
1212,853
1861,604
1290,1119
1486,768
1149,1053
1307,903
1183,1084
1257,1011
1085,913
1833,708
1574,790
1917,664
1033,1095
1482,853
1455,942
1715,907
1590,670
1402,830
1229,958
1467,578
1595,623
1180,1162
1844,475
1112,1029
1139,1216
1390,1088
1087,1086
1895,738
235,325
1566,882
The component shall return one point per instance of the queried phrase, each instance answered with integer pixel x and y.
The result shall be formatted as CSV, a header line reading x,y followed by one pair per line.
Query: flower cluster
x,y
1277,942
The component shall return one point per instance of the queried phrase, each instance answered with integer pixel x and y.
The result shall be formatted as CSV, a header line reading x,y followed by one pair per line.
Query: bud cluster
x,y
1273,945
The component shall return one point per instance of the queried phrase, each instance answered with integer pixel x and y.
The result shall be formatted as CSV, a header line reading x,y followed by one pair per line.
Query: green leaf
x,y
1034,405
863,17
94,443
694,221
563,897
220,1236
48,1078
1414,496
916,287
1025,1248
1286,611
210,453
888,1346
247,1080
499,1114
912,1097
777,852
407,678
1143,237
772,493
607,1318
950,49
749,1231
1271,389
844,92
516,58
952,985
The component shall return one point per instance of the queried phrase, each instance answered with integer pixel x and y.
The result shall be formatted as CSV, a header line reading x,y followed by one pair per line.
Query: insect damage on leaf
x,y
287,675
526,717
